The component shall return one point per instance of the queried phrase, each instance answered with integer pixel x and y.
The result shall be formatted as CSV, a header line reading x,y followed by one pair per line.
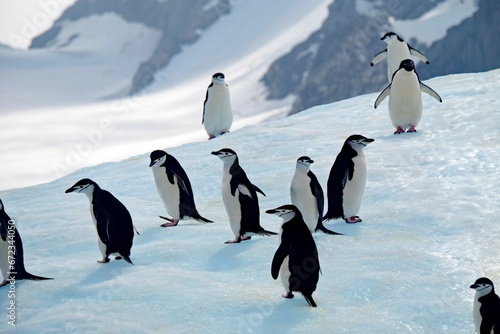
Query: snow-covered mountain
x,y
62,83
429,230
457,36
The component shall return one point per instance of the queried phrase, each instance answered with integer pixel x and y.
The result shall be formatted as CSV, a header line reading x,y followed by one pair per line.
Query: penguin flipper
x,y
378,57
382,96
418,54
317,192
279,257
426,89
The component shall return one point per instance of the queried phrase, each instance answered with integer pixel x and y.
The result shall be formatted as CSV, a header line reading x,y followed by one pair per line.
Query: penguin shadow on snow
x,y
105,272
227,257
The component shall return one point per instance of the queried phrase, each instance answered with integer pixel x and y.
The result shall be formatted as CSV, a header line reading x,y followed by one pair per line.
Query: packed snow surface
x,y
430,229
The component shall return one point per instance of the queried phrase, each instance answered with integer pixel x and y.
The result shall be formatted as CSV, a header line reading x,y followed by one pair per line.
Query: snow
x,y
429,230
78,86
432,26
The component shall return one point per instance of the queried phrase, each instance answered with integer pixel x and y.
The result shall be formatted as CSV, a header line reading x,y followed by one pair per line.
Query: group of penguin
x,y
297,252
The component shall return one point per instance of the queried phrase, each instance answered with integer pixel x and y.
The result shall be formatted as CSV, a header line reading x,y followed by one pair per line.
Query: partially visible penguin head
x,y
82,186
286,212
304,162
218,78
225,154
483,286
157,157
391,37
408,65
358,141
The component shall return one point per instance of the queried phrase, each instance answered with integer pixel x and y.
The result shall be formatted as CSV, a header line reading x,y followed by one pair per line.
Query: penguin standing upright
x,y
240,198
347,179
405,97
486,310
12,252
112,220
217,112
296,258
397,50
174,188
307,195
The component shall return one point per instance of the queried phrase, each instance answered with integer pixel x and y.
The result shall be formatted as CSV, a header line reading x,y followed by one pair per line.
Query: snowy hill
x,y
430,226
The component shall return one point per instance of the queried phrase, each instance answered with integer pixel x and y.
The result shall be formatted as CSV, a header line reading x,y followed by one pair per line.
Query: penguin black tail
x,y
323,229
127,259
32,277
309,299
266,232
201,219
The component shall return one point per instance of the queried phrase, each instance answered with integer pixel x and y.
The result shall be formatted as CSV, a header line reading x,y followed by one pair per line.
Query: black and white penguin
x,y
174,188
347,179
307,195
486,310
112,220
11,248
397,50
240,198
405,97
217,112
296,259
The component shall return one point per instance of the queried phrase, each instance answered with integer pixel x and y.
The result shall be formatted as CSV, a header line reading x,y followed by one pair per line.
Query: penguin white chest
x,y
232,204
218,113
354,188
169,193
396,53
304,200
405,100
285,274
4,263
102,245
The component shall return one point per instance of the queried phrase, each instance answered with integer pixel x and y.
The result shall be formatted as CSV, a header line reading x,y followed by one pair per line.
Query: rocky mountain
x,y
333,63
179,22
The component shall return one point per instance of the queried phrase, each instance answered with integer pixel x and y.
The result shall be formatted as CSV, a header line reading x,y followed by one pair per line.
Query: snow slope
x,y
430,228
57,84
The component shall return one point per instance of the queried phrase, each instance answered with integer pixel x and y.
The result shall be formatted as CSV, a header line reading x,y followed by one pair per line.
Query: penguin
x,y
397,50
307,195
405,97
296,258
347,179
240,198
217,113
486,311
12,252
174,188
112,220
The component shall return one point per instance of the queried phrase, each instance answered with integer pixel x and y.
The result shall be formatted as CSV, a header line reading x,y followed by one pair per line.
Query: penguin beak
x,y
368,141
272,211
216,153
153,163
474,286
70,190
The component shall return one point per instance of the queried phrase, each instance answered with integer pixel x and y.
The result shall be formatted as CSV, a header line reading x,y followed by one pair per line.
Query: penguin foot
x,y
4,283
104,260
412,129
288,295
399,130
353,220
245,237
173,222
239,239
211,137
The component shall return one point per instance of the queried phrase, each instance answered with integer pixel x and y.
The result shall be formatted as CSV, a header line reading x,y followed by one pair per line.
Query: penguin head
x,y
408,65
304,162
483,286
391,37
84,185
358,142
218,78
227,155
286,212
158,158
